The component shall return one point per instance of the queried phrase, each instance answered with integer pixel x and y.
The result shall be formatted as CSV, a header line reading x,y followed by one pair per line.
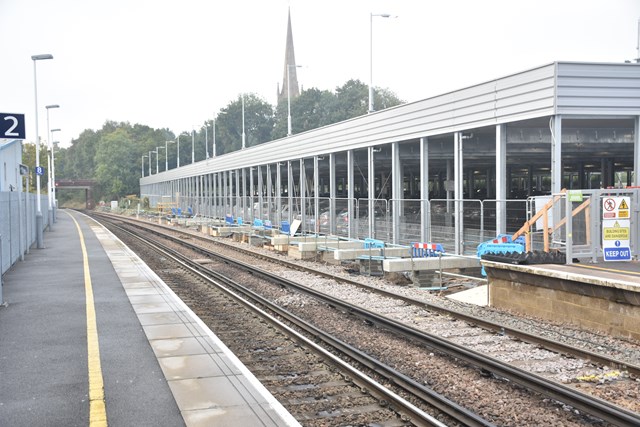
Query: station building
x,y
454,169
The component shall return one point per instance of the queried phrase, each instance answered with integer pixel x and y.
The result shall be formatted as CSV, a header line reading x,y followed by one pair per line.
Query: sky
x,y
175,64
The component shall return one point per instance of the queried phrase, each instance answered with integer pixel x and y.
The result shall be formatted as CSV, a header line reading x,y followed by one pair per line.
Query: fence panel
x,y
18,224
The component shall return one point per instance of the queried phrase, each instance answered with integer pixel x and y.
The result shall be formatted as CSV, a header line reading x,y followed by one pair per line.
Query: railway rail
x,y
499,328
585,403
396,409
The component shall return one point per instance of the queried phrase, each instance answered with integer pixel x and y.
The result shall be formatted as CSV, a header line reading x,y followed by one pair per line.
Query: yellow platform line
x,y
612,270
97,407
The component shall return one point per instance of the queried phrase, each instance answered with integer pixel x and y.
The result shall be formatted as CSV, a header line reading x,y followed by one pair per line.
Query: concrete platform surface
x,y
160,364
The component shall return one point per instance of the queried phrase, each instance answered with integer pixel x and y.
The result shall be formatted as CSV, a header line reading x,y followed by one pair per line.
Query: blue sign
x,y
617,254
12,126
39,170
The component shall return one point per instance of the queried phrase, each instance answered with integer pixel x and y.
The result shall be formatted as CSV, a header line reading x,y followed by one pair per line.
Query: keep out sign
x,y
616,229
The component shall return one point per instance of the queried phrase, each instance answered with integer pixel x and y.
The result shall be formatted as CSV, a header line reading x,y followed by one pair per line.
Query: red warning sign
x,y
609,205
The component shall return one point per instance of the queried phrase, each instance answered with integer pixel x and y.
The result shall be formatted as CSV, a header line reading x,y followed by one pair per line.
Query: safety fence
x,y
396,221
459,225
18,225
587,224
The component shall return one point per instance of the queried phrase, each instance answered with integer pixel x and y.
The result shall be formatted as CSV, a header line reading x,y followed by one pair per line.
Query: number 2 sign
x,y
12,126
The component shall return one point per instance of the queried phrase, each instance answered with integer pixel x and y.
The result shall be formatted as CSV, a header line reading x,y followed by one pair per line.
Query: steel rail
x,y
417,415
486,324
588,404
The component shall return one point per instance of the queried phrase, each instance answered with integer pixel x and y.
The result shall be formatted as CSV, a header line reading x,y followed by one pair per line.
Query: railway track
x,y
586,404
314,384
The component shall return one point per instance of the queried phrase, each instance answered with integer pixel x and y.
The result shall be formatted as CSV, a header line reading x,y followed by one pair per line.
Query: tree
x,y
29,159
310,110
258,124
315,108
112,155
117,172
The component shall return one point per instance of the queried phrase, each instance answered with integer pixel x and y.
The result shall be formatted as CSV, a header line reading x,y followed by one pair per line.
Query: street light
x,y
243,137
193,144
52,188
371,15
158,155
49,162
206,138
178,163
150,160
289,98
166,154
214,133
39,237
143,156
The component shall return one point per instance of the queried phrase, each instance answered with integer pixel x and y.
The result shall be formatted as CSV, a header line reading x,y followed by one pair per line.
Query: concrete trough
x,y
446,262
352,254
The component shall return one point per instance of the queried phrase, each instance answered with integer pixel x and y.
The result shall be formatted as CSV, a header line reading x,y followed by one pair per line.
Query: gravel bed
x,y
578,373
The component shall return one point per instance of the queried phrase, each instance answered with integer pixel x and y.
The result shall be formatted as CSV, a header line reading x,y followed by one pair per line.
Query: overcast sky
x,y
174,64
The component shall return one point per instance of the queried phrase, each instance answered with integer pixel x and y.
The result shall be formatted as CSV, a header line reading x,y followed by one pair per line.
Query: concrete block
x,y
446,262
295,253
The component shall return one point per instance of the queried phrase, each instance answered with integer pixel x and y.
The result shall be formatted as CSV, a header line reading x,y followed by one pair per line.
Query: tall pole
x,y
53,176
166,155
243,136
370,63
214,137
193,146
150,162
288,102
371,15
49,192
39,236
638,46
143,156
289,132
206,139
157,158
178,164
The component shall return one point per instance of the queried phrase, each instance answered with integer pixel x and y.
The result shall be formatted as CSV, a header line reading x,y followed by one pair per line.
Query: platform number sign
x,y
12,126
616,229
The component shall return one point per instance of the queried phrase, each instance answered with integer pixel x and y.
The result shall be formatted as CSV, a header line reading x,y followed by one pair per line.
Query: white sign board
x,y
616,229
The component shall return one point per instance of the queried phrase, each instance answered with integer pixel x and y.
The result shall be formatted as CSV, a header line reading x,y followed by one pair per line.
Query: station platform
x,y
89,335
600,296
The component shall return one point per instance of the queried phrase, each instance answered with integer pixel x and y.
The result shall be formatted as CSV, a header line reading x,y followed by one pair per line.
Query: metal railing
x,y
433,220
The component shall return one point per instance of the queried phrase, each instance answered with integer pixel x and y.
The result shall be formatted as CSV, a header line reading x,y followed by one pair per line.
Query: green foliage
x,y
113,154
29,159
315,108
258,124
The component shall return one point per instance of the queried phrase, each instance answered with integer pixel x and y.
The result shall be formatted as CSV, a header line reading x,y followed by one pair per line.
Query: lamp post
x,y
150,160
213,137
193,145
143,156
52,188
39,237
289,99
206,138
371,15
243,136
166,155
158,156
49,161
178,163
214,132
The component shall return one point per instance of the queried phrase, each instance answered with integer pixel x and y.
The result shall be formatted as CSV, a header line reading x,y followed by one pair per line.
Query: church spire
x,y
290,63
